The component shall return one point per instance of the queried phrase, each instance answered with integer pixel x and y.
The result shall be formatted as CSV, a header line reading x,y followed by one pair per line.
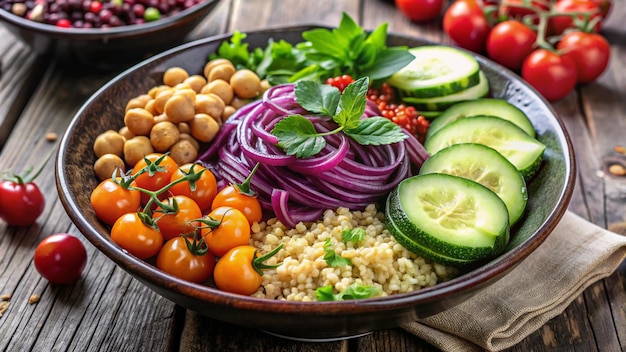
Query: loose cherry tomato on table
x,y
186,258
201,189
559,23
175,216
226,227
21,200
60,258
465,23
420,10
240,270
553,75
510,42
589,51
156,171
113,198
241,197
132,234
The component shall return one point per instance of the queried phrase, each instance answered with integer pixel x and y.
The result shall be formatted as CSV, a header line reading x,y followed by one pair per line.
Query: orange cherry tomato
x,y
187,259
139,239
240,270
227,228
112,199
242,197
160,168
179,223
204,188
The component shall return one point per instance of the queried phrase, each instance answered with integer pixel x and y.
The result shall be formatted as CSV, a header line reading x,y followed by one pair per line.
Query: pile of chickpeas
x,y
177,116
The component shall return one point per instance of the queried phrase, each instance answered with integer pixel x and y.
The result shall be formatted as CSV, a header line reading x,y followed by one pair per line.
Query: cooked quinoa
x,y
377,261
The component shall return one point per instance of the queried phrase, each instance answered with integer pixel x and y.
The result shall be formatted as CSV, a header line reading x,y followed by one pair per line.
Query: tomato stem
x,y
257,262
244,187
197,247
26,177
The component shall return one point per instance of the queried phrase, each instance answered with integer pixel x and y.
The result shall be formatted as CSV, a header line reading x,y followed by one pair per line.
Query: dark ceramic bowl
x,y
107,48
549,195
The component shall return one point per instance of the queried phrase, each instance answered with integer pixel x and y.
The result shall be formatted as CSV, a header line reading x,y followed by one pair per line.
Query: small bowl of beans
x,y
103,34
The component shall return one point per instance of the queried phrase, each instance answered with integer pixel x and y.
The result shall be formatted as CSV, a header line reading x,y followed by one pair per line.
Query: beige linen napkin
x,y
577,254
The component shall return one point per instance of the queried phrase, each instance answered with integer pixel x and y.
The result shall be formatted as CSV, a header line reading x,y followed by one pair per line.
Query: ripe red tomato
x,y
179,223
590,53
139,239
21,203
509,43
157,175
186,259
231,229
553,75
204,188
60,258
111,199
465,23
558,24
420,10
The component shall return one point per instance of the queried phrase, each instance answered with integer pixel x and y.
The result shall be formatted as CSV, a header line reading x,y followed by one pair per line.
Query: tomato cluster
x,y
176,214
553,44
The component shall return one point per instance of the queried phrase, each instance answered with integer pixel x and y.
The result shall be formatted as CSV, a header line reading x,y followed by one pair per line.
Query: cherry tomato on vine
x,y
420,10
510,42
60,258
180,222
589,51
158,174
204,188
111,199
465,23
227,228
139,239
558,24
240,270
187,259
21,203
553,75
241,197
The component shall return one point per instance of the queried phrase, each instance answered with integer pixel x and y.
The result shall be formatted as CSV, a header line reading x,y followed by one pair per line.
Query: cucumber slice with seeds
x,y
444,102
436,71
486,106
486,166
448,219
523,151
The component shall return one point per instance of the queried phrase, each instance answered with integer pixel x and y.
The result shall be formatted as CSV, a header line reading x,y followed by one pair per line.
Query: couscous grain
x,y
377,260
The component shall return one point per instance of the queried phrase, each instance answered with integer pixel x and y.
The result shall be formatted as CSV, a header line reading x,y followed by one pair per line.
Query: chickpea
x,y
196,82
109,142
160,118
265,85
138,102
183,127
106,164
150,107
163,136
162,98
213,63
210,104
136,148
154,91
186,91
222,71
174,75
180,108
246,84
126,133
204,127
228,111
139,121
183,152
190,139
220,88
238,103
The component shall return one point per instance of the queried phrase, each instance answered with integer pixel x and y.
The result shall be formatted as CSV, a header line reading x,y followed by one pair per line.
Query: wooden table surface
x,y
107,310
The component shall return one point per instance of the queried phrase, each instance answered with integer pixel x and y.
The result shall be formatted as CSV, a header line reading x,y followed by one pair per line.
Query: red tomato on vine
x,y
553,75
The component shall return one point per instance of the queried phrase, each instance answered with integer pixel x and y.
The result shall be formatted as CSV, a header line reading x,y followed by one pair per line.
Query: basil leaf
x,y
317,98
297,136
388,62
352,104
376,130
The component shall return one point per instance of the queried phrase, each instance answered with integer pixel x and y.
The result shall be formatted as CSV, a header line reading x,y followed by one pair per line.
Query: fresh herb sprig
x,y
354,291
354,235
298,136
332,258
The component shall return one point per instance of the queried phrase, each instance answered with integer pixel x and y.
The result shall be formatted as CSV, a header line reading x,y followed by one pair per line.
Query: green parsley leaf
x,y
352,104
317,98
354,291
325,293
354,235
376,130
332,258
235,50
297,136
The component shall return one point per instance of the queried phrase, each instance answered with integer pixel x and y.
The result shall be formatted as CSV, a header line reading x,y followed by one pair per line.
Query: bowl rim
x,y
88,33
472,280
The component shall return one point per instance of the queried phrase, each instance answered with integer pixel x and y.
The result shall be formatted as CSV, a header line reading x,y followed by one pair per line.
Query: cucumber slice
x,y
448,219
436,71
486,166
444,102
522,150
486,106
